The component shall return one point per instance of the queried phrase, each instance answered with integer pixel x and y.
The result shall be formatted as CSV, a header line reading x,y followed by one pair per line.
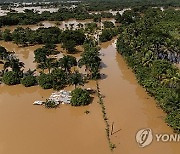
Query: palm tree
x,y
76,79
30,72
90,59
47,64
13,63
67,62
59,78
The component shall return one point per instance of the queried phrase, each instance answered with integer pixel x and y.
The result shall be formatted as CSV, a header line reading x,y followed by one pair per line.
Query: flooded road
x,y
129,107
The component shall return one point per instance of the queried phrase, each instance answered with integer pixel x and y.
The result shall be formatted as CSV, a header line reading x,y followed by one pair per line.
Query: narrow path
x,y
129,107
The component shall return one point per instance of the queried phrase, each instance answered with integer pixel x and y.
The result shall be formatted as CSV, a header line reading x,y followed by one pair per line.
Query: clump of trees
x,y
29,79
91,60
45,81
128,17
90,27
80,97
11,78
108,34
12,67
52,35
71,38
54,73
152,58
32,17
108,24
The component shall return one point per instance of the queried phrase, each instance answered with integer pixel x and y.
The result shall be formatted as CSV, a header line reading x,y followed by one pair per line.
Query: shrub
x,y
29,81
11,78
50,104
80,97
108,24
45,81
107,35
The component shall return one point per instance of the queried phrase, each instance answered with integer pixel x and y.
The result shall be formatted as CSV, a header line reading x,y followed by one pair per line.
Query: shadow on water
x,y
103,65
103,76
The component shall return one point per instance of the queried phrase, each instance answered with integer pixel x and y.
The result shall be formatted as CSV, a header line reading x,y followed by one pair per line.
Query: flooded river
x,y
28,129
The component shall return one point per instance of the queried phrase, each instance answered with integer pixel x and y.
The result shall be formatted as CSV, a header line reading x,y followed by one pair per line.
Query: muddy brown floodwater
x,y
129,107
25,54
29,129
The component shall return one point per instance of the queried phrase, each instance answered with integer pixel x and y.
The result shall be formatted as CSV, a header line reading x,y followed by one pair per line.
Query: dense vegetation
x,y
101,5
32,17
29,81
151,45
80,12
51,35
53,73
11,78
108,34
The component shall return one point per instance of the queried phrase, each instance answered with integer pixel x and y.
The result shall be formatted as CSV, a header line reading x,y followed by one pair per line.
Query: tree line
x,y
51,35
99,5
150,42
32,17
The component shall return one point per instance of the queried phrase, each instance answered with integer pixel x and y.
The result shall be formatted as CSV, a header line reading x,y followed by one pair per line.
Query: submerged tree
x,y
67,62
91,60
45,81
11,78
59,78
76,79
80,97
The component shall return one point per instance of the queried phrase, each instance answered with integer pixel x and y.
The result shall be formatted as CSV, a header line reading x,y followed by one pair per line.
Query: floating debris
x,y
63,97
38,103
86,112
60,97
